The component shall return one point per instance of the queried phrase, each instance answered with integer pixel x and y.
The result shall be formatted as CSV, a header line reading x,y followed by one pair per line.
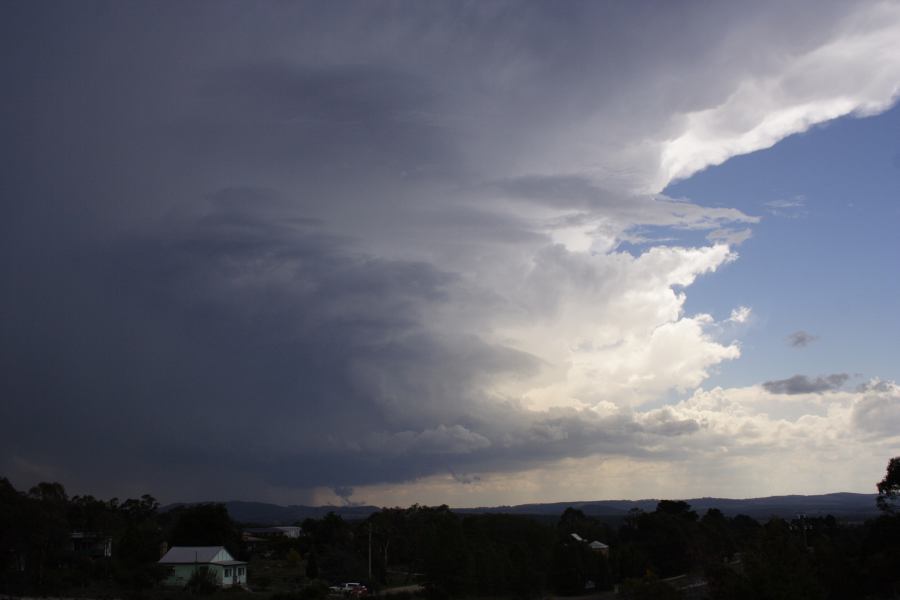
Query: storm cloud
x,y
292,247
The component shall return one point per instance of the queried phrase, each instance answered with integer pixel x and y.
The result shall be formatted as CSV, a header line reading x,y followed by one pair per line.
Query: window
x,y
227,572
240,571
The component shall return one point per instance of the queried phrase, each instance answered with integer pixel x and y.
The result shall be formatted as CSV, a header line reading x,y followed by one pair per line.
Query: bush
x,y
314,590
202,582
261,582
648,587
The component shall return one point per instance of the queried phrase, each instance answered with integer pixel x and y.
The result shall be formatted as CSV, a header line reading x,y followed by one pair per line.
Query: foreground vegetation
x,y
487,555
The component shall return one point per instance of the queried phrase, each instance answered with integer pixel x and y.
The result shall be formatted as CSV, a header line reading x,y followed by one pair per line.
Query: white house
x,y
600,547
185,560
280,531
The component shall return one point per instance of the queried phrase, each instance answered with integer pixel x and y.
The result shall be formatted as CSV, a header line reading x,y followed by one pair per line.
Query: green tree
x,y
48,532
337,558
312,566
648,587
293,558
137,544
202,582
781,567
669,537
440,548
205,525
889,487
15,537
716,543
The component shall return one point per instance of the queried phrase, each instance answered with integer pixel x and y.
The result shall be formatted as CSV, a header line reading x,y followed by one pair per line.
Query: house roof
x,y
279,529
198,554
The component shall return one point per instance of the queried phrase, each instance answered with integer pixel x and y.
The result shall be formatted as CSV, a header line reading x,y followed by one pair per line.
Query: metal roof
x,y
196,554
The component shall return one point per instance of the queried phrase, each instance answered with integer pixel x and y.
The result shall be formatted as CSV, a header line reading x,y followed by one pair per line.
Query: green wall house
x,y
184,560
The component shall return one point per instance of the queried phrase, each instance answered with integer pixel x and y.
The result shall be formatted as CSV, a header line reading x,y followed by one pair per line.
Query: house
x,y
183,561
91,544
274,532
600,547
596,546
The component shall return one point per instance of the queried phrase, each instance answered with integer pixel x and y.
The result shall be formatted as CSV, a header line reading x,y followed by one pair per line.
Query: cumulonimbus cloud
x,y
372,259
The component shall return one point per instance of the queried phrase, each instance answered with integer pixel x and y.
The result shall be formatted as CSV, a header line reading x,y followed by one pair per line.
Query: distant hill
x,y
844,506
263,513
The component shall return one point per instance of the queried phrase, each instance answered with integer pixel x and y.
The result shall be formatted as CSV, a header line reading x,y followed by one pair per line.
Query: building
x,y
91,543
184,561
274,532
600,547
596,546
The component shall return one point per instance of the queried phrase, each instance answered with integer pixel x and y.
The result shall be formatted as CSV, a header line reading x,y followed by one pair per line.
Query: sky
x,y
473,253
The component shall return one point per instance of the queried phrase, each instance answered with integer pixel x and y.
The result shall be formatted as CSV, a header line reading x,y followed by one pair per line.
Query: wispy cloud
x,y
791,207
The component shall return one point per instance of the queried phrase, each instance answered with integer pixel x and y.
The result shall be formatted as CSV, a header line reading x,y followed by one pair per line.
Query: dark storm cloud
x,y
236,237
243,336
339,118
801,339
801,384
243,323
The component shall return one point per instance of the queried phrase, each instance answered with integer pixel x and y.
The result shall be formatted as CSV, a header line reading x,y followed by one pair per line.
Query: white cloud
x,y
611,327
740,314
877,411
729,442
857,71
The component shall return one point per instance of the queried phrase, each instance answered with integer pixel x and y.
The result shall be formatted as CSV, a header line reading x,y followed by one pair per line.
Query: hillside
x,y
845,506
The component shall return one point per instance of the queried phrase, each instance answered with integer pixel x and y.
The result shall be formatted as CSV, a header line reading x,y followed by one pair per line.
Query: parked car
x,y
350,589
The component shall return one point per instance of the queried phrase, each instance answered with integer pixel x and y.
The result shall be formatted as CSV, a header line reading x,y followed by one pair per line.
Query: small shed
x,y
184,561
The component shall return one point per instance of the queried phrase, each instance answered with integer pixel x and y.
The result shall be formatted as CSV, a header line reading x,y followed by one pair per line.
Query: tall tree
x,y
205,525
889,487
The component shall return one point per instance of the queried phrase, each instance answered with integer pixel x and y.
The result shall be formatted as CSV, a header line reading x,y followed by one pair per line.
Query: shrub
x,y
202,582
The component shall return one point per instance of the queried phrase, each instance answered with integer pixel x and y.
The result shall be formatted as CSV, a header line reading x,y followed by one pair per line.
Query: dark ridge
x,y
843,505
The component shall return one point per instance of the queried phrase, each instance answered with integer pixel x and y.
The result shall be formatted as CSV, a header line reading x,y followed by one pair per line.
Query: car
x,y
350,589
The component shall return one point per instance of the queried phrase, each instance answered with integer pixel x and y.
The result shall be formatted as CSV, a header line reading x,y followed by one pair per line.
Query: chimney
x,y
163,548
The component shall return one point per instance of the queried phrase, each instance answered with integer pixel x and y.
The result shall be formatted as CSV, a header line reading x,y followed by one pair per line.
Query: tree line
x,y
471,555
